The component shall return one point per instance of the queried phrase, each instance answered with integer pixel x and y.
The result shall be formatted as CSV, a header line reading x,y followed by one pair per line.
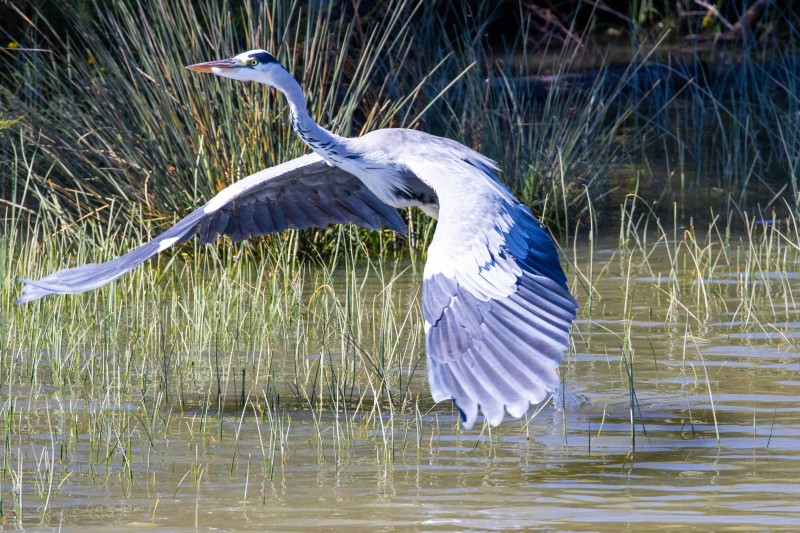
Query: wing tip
x,y
32,290
402,229
493,409
497,414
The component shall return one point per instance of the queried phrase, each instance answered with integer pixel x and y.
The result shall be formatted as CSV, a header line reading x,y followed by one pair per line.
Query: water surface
x,y
713,443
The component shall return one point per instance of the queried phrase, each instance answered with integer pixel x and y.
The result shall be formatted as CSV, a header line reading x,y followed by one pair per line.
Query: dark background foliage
x,y
581,102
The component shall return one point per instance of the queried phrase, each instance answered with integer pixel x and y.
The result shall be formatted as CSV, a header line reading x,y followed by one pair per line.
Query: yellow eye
x,y
253,62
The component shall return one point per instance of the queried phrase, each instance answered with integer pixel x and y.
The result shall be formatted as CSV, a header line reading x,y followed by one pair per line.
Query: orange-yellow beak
x,y
210,65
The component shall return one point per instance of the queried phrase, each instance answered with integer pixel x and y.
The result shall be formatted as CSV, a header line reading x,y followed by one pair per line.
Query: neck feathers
x,y
316,137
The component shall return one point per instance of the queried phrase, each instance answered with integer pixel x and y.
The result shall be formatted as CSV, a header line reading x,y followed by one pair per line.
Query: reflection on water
x,y
716,441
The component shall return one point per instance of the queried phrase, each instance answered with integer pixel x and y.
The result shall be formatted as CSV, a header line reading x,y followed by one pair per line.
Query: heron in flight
x,y
494,297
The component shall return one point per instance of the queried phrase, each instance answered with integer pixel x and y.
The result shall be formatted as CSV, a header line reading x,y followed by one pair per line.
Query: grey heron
x,y
495,300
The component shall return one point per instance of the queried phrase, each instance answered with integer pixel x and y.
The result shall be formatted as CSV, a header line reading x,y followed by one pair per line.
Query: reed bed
x,y
108,113
110,141
214,342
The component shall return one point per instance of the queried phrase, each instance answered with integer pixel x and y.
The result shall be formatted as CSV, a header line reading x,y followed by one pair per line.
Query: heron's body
x,y
378,160
496,306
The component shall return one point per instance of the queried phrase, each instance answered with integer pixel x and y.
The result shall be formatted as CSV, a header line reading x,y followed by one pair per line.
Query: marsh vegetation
x,y
281,382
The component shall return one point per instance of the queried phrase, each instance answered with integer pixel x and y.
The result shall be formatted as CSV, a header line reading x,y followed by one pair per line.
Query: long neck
x,y
315,136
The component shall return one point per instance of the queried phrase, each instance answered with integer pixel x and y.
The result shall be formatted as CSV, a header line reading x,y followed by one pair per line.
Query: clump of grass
x,y
231,329
201,337
733,276
729,138
115,116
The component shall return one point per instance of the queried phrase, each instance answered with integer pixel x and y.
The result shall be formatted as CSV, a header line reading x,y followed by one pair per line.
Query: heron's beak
x,y
224,64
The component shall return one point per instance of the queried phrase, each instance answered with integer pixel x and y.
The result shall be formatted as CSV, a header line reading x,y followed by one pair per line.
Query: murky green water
x,y
715,440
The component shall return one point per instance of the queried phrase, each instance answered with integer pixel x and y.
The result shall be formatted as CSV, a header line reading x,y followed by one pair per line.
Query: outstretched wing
x,y
301,193
496,305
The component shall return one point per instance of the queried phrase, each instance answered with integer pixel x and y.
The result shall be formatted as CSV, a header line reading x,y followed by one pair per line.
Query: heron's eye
x,y
253,62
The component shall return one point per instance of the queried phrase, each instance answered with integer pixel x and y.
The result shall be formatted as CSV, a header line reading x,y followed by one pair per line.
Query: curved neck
x,y
315,136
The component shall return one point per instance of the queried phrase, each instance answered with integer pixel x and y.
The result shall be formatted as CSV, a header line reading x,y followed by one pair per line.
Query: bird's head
x,y
253,65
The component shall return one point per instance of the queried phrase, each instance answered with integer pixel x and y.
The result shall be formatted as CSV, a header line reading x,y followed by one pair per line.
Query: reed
x,y
112,116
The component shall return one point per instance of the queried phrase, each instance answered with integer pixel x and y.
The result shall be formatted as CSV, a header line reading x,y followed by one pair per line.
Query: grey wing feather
x,y
495,300
493,352
298,194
